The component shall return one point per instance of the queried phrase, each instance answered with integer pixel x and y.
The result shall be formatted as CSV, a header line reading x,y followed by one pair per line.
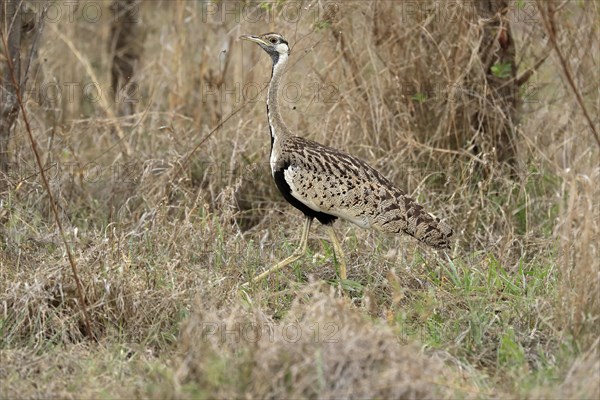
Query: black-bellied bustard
x,y
326,184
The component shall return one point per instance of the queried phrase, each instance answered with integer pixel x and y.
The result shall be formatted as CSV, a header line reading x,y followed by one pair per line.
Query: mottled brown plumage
x,y
327,184
332,182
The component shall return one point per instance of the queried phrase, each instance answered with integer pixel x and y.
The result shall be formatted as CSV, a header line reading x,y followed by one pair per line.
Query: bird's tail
x,y
406,215
426,227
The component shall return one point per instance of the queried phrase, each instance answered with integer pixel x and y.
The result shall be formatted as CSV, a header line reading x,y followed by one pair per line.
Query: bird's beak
x,y
253,38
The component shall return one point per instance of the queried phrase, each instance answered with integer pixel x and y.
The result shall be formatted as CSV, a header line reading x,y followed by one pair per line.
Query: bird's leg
x,y
337,249
299,252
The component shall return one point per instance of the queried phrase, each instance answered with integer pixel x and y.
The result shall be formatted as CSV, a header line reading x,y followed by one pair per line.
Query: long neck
x,y
277,127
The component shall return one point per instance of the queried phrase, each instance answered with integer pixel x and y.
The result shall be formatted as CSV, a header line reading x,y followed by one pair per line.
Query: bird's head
x,y
273,43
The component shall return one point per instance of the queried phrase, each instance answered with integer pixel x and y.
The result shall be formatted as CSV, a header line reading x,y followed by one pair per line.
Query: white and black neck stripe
x,y
276,125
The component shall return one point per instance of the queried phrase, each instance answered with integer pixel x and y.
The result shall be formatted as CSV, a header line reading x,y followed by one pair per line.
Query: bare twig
x,y
550,26
34,44
10,13
207,136
521,80
126,151
15,82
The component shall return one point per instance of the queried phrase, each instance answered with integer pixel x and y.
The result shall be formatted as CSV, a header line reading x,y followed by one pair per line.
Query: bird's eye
x,y
273,40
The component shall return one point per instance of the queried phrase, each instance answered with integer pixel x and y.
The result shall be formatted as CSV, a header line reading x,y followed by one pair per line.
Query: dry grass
x,y
321,348
164,238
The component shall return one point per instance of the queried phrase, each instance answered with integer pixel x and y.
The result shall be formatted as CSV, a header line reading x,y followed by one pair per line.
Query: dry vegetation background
x,y
167,211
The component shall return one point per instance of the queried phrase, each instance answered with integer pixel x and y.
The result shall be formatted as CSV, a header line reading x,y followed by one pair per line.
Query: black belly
x,y
286,191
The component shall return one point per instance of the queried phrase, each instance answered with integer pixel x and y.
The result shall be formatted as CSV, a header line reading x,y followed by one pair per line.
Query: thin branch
x,y
38,160
126,149
34,44
207,136
521,80
550,26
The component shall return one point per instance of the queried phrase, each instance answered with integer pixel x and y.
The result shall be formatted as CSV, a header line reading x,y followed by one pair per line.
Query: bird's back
x,y
334,183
